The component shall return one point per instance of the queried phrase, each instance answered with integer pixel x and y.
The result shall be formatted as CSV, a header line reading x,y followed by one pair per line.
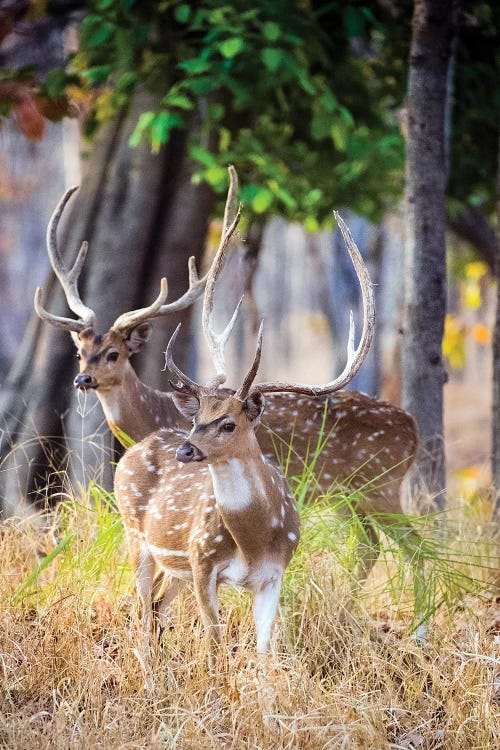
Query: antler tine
x,y
131,319
355,357
244,389
189,384
216,342
230,209
68,278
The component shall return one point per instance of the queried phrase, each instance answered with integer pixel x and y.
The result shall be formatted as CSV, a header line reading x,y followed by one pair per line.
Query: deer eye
x,y
228,427
78,355
112,356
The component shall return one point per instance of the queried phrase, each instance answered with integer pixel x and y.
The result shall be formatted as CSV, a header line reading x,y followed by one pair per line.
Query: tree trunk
x,y
495,461
143,218
429,89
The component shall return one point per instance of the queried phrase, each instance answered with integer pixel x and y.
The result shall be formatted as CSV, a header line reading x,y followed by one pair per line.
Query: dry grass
x,y
344,673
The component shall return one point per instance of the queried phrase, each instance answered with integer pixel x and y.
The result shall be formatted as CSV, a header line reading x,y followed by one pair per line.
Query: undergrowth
x,y
345,670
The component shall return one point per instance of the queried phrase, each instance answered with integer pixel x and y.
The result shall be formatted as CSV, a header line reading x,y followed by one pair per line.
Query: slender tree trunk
x,y
429,89
495,462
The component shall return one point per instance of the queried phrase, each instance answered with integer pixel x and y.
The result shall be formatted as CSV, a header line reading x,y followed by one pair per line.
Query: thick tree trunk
x,y
429,84
142,218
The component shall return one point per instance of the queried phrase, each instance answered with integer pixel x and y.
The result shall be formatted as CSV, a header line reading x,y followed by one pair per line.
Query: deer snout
x,y
188,452
84,382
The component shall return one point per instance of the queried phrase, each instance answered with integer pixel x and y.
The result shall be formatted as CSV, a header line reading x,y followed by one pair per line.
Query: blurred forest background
x,y
144,104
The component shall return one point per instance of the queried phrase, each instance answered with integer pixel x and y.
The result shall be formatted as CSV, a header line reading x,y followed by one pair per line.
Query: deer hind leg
x,y
411,544
143,566
265,607
367,551
205,590
165,590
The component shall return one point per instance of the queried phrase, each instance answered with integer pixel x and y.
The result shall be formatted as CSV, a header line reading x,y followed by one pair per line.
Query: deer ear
x,y
138,337
186,403
254,406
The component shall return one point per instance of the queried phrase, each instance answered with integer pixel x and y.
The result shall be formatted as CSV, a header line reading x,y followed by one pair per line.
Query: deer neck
x,y
250,494
133,408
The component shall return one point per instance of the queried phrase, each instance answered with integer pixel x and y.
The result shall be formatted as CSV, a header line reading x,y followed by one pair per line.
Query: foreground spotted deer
x,y
243,532
367,446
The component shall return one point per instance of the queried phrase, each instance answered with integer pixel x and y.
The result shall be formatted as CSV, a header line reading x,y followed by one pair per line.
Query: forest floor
x,y
345,671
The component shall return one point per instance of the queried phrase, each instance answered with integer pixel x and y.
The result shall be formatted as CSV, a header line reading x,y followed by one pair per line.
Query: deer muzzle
x,y
188,452
84,382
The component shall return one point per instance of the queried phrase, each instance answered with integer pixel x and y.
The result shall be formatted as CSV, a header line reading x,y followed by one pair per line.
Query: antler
x,y
128,320
355,357
67,278
244,388
216,342
196,285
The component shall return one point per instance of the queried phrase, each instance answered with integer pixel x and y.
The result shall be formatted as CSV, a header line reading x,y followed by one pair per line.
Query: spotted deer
x,y
245,530
367,446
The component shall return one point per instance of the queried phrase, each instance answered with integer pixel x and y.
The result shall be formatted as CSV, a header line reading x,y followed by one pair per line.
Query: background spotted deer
x,y
367,446
130,406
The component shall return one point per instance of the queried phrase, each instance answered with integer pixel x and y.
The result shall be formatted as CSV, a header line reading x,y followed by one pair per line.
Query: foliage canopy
x,y
303,97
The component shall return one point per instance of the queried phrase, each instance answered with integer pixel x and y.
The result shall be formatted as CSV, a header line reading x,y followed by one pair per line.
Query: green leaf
x,y
329,101
215,175
182,13
311,224
178,100
216,111
95,31
231,47
339,136
271,31
272,58
262,201
202,85
202,155
97,74
354,21
56,80
161,127
195,66
143,124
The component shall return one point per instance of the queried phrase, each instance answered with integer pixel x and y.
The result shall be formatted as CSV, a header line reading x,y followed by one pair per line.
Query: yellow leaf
x,y
476,270
472,294
481,334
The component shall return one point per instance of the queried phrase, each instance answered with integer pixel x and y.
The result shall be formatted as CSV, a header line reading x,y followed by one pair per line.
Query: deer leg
x,y
143,565
170,589
205,589
264,610
367,551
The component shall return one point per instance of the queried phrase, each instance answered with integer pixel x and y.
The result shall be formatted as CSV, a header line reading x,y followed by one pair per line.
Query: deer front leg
x,y
265,607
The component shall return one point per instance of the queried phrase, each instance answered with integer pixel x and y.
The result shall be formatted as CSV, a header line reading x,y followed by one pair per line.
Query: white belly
x,y
235,572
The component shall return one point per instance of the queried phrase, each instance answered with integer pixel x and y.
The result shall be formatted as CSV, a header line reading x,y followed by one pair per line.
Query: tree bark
x,y
429,84
142,218
495,460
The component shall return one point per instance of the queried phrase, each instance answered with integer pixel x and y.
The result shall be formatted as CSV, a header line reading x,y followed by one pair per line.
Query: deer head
x,y
103,357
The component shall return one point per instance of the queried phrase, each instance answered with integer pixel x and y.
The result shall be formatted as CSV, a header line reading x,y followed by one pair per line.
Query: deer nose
x,y
84,382
188,452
